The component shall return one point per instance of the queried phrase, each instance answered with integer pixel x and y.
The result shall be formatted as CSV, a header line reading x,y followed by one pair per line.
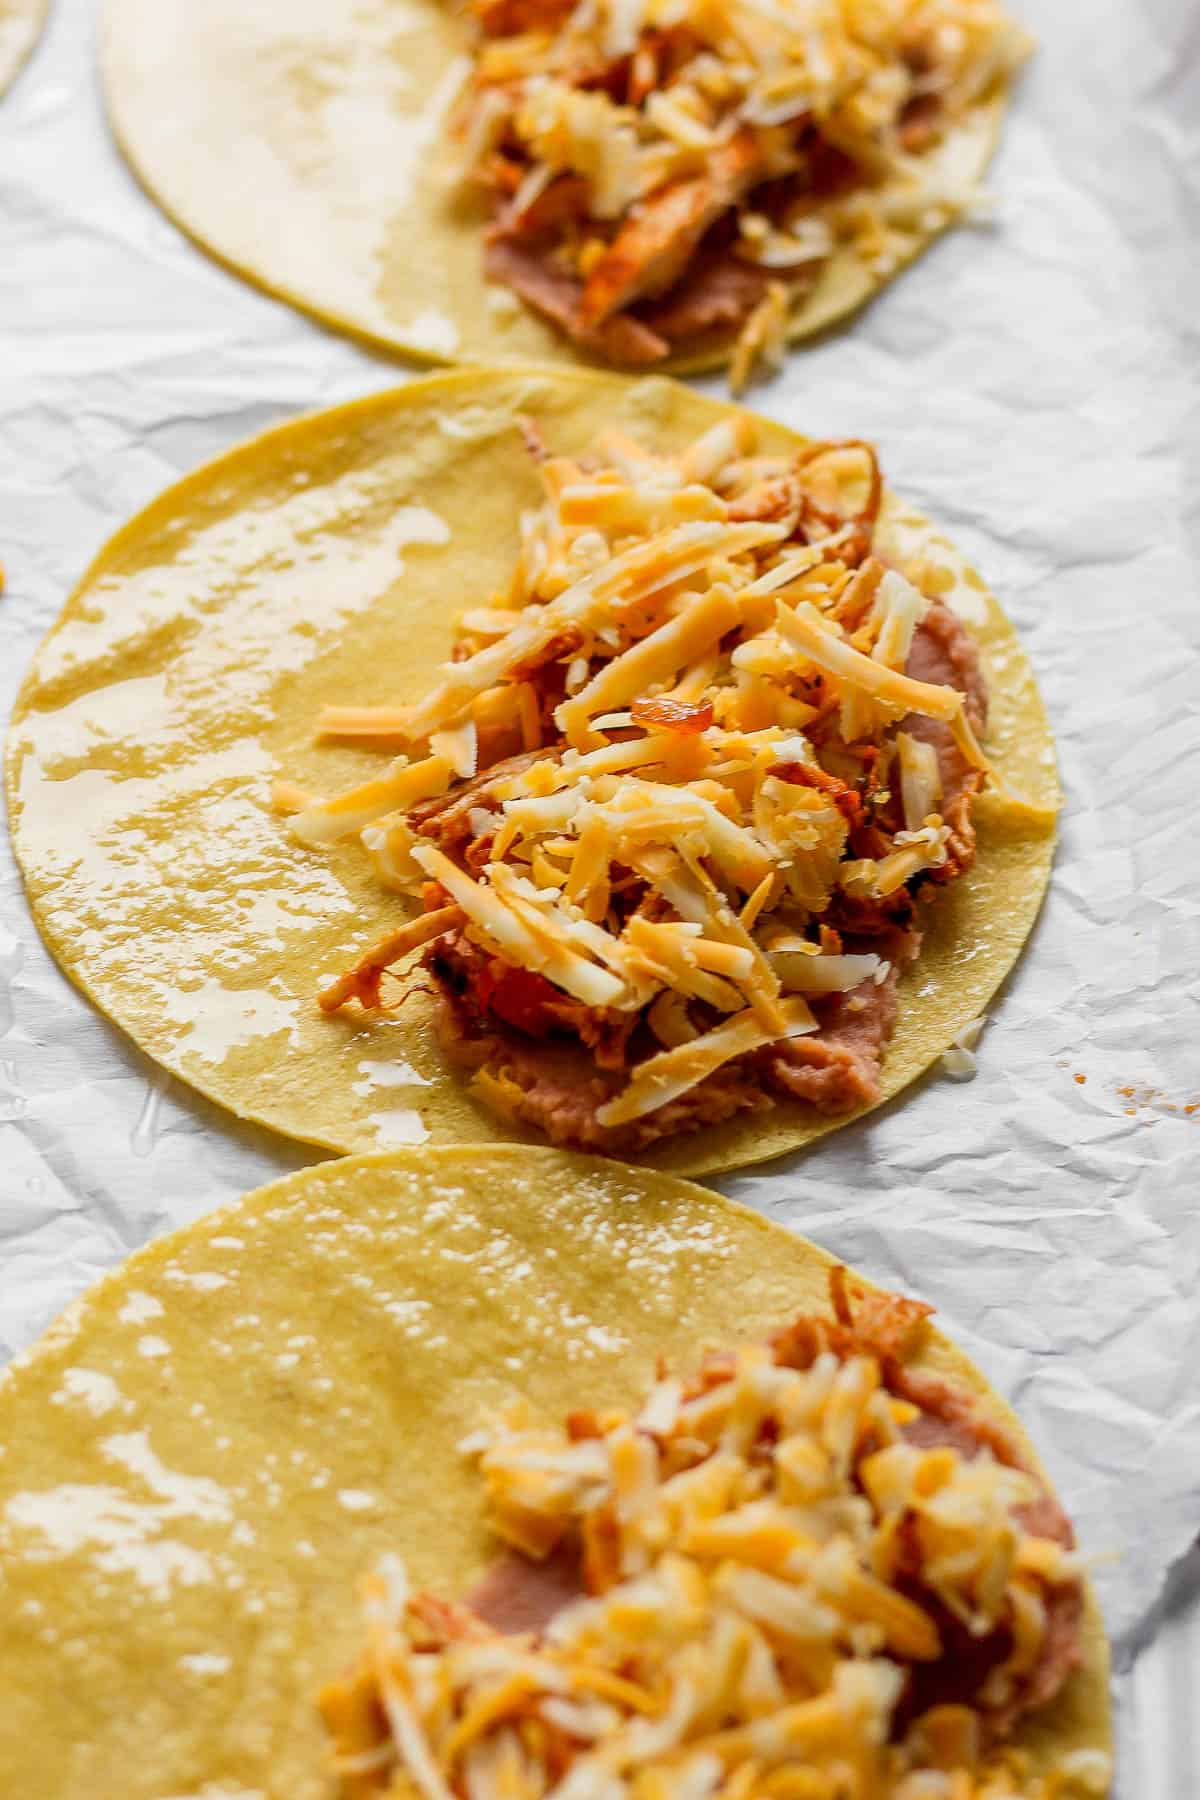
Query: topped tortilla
x,y
752,184
189,672
213,1447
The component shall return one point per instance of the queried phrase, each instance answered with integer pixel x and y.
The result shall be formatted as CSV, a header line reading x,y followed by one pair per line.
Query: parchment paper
x,y
1033,384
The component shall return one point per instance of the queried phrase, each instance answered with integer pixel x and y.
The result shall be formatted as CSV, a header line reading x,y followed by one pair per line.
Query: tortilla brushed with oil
x,y
210,1448
304,146
324,563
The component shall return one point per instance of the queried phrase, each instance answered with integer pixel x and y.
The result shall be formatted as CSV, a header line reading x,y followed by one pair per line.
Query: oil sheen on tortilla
x,y
209,1449
323,172
323,563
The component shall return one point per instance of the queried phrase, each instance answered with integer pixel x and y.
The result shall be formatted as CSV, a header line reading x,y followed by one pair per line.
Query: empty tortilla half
x,y
324,562
210,1449
306,147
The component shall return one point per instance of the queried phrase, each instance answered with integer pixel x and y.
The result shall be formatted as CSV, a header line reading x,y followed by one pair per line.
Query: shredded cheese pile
x,y
704,665
614,135
765,1556
700,666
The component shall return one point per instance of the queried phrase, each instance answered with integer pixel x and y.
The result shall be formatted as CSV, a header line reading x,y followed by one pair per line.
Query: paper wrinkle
x,y
1033,385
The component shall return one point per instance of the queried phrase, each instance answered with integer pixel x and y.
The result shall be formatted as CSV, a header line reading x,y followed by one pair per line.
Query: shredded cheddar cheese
x,y
673,765
630,148
766,1560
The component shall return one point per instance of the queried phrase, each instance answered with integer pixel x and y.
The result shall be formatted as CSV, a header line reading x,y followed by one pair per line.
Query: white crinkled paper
x,y
1032,384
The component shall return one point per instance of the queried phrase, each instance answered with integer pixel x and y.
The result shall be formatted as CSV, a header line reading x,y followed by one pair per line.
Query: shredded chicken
x,y
673,804
808,1569
654,168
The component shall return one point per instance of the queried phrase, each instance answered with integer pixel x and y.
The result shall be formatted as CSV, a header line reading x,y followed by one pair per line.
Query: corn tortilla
x,y
21,25
303,146
323,563
213,1445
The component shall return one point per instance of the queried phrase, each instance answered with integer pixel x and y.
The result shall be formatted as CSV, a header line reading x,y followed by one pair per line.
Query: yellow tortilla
x,y
209,1449
323,563
21,23
303,145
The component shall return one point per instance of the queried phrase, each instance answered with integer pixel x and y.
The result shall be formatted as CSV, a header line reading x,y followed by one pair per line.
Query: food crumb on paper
x,y
959,1061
